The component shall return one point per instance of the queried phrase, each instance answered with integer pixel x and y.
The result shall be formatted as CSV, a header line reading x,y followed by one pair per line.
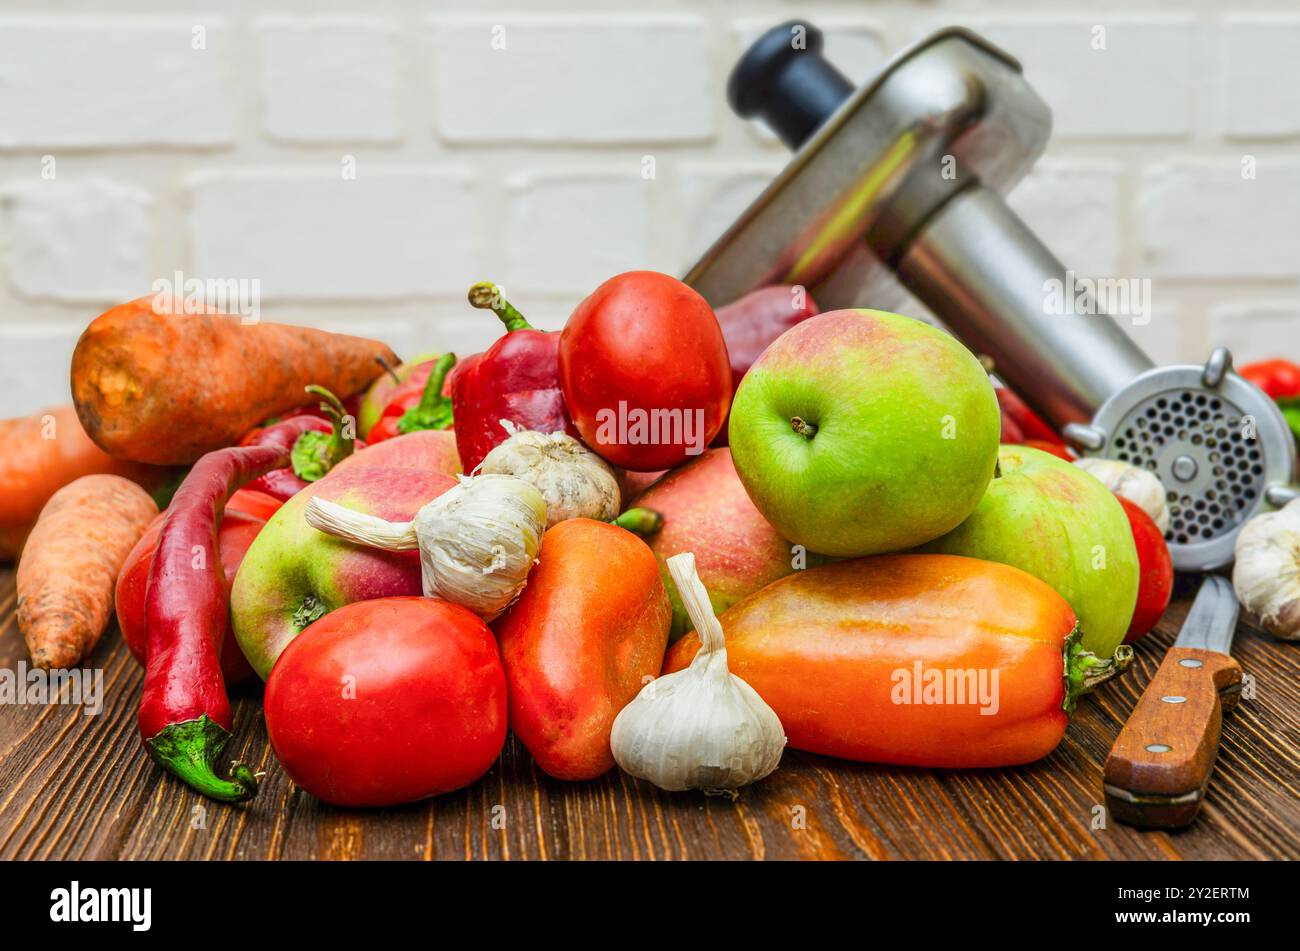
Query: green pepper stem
x,y
639,521
487,296
1084,670
188,751
432,394
434,410
341,444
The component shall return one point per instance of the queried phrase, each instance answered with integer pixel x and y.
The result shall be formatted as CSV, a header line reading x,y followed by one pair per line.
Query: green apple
x,y
1050,518
859,432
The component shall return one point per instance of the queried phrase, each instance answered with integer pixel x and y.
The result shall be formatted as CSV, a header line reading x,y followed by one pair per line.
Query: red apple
x,y
707,511
293,574
1156,570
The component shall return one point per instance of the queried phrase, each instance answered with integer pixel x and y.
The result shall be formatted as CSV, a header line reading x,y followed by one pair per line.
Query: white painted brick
x,y
714,195
1164,336
1202,218
310,234
570,230
1261,87
1257,330
1139,86
34,361
79,241
1074,207
856,47
329,79
83,81
573,79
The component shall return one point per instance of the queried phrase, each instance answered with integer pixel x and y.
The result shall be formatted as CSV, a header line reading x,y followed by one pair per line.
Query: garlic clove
x,y
1266,575
574,481
477,541
1140,486
702,727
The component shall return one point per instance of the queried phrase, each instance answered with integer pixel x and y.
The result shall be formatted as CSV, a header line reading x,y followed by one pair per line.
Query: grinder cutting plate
x,y
903,179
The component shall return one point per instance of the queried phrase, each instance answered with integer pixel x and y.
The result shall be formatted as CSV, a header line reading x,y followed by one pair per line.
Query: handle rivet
x,y
1158,748
1190,663
1174,699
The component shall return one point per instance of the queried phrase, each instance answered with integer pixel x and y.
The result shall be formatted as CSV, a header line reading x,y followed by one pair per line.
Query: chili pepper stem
x,y
1084,670
188,750
487,296
434,410
314,454
639,521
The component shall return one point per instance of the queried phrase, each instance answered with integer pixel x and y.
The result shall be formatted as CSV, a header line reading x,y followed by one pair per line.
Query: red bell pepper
x,y
185,718
315,445
517,379
417,403
750,324
1280,379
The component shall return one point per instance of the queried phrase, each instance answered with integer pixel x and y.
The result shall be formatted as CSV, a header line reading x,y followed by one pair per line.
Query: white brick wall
x,y
549,143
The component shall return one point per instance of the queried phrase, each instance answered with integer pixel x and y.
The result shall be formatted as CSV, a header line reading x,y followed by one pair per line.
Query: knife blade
x,y
1160,765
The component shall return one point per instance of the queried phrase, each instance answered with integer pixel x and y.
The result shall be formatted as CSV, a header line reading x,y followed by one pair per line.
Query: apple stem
x,y
997,469
803,428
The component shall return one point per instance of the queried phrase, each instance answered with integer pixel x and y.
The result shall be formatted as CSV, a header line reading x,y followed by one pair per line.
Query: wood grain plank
x,y
80,787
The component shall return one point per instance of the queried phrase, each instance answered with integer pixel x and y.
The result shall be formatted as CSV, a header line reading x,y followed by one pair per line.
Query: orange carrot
x,y
166,389
40,454
71,562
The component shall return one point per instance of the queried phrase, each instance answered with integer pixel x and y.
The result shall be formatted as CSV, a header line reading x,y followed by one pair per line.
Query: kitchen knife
x,y
1161,762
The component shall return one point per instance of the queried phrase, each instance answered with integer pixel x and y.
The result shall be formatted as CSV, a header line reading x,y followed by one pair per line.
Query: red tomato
x,y
1156,569
645,371
388,701
1280,379
1046,445
238,529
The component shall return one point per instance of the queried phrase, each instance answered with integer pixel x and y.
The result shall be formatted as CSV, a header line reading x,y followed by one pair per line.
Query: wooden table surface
x,y
74,786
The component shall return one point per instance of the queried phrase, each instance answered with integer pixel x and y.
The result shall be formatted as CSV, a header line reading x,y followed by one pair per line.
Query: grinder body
x,y
901,182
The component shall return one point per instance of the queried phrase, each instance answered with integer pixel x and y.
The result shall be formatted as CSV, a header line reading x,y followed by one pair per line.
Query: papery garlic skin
x,y
702,727
478,540
1266,575
1141,487
574,481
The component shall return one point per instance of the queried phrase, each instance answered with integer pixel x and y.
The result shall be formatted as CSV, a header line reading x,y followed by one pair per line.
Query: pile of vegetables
x,y
553,538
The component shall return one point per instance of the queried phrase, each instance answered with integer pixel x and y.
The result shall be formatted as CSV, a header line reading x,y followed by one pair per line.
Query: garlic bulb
x,y
1139,486
1267,573
702,727
477,541
575,482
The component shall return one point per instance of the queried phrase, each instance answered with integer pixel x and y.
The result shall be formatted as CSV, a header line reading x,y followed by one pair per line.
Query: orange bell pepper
x,y
587,633
921,660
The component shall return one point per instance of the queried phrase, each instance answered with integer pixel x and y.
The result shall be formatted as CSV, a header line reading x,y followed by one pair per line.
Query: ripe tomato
x,y
1155,568
388,701
645,371
246,513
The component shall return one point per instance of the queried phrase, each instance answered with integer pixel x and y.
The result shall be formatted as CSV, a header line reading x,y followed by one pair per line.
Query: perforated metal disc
x,y
1215,441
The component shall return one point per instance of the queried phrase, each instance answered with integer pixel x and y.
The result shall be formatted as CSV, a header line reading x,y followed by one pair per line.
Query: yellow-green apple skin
x,y
904,438
1051,519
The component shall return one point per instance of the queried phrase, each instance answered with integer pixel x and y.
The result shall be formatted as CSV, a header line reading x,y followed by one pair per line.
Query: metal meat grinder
x,y
904,178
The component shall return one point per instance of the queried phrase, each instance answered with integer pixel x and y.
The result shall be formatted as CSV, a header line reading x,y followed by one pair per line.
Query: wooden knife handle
x,y
1158,769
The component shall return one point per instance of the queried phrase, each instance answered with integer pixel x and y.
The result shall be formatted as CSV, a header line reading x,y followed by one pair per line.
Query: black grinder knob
x,y
784,79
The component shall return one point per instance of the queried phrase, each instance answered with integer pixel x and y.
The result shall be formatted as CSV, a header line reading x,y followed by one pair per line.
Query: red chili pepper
x,y
516,379
417,404
1030,424
1278,378
311,457
185,718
